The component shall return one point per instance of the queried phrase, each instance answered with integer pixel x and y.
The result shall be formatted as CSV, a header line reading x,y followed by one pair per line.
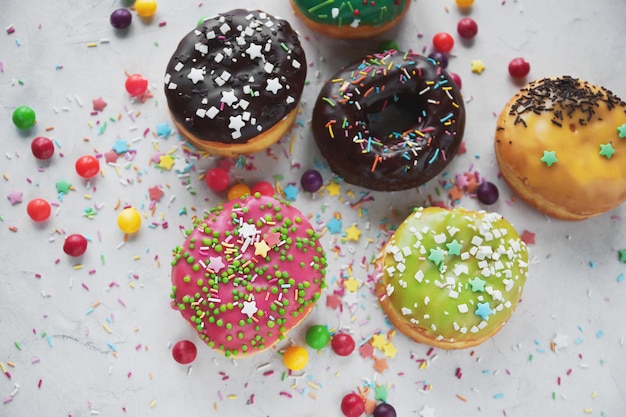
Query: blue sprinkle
x,y
578,341
620,277
600,333
499,395
112,346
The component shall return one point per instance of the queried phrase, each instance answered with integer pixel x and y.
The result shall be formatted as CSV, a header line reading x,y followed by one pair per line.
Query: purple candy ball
x,y
311,181
440,57
121,18
487,193
384,410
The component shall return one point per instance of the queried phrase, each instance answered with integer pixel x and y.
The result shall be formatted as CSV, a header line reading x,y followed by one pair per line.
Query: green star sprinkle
x,y
63,186
454,248
622,131
622,255
436,255
607,150
478,285
549,158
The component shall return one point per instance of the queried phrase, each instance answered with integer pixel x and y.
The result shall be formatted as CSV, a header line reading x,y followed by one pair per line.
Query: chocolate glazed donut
x,y
390,122
235,76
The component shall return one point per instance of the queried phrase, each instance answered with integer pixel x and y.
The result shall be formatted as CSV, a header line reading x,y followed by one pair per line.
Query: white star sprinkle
x,y
254,51
195,75
273,85
426,411
249,308
229,97
236,123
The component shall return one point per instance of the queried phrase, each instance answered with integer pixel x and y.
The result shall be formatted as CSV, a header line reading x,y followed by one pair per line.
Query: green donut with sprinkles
x,y
350,19
249,271
451,278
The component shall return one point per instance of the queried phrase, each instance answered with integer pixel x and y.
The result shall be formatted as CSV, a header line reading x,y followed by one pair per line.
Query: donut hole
x,y
394,115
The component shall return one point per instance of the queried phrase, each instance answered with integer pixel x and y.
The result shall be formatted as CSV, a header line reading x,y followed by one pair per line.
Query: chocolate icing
x,y
234,76
389,122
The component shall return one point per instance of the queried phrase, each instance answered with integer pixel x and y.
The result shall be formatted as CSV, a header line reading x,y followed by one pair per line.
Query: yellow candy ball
x,y
464,3
238,191
145,8
296,358
129,220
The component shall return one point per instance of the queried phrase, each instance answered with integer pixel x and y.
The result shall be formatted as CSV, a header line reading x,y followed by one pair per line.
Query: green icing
x,y
346,12
454,273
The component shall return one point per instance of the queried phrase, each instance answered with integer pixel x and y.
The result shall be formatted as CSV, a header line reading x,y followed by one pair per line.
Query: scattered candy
x,y
317,336
467,28
184,352
24,117
145,8
217,179
42,147
263,188
343,344
295,358
38,209
443,42
136,85
464,3
129,220
75,245
456,79
87,166
440,58
238,191
352,405
311,180
519,68
384,410
121,18
487,193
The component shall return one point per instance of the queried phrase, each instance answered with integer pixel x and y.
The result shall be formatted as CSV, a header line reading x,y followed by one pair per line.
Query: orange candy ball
x,y
296,358
238,191
145,8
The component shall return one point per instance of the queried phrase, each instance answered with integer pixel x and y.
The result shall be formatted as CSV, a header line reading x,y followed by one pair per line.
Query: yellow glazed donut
x,y
451,278
560,144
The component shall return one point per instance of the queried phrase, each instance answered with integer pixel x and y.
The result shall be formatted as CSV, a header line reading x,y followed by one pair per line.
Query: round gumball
x,y
384,410
238,191
87,166
443,42
38,210
42,147
263,188
317,336
75,245
217,179
145,8
467,28
311,180
487,193
295,358
121,18
129,220
342,344
464,3
519,68
136,85
184,352
440,58
352,405
456,79
24,117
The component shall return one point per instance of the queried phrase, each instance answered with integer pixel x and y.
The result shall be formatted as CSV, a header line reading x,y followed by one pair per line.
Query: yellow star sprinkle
x,y
351,284
333,188
353,233
261,248
478,66
390,350
166,162
379,341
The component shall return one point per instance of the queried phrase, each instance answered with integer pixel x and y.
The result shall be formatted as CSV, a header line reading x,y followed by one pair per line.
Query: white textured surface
x,y
65,359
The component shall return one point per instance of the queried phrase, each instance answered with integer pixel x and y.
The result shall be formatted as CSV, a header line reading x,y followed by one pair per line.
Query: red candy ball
x,y
42,147
75,245
217,179
519,68
443,42
263,188
457,80
352,405
136,85
87,166
184,352
467,28
38,209
342,344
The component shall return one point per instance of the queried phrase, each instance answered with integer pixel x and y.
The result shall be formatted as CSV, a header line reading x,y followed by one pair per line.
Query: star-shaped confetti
x,y
163,130
378,341
215,264
380,365
99,104
247,231
15,197
380,393
291,192
63,187
607,150
272,238
478,66
261,248
249,308
528,237
111,156
454,247
622,255
166,162
196,75
155,193
478,285
333,188
390,350
334,226
483,310
351,284
560,341
621,131
436,256
549,158
427,411
333,301
120,146
366,351
353,233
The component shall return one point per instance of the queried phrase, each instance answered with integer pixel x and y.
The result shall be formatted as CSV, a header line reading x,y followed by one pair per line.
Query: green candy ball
x,y
317,336
24,117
